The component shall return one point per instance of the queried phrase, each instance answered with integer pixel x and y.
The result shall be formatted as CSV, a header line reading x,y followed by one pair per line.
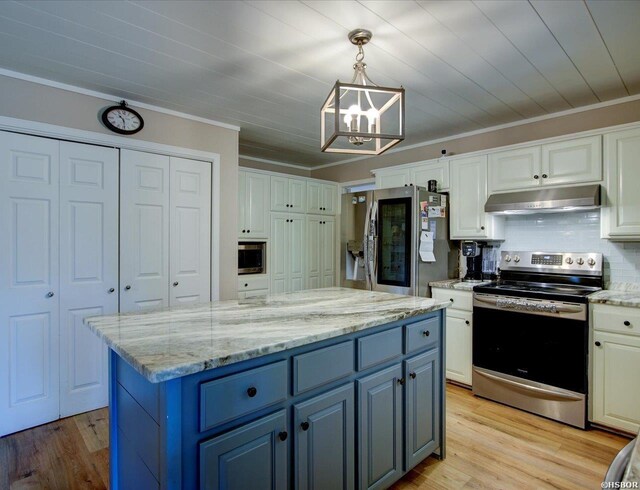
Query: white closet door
x,y
190,235
29,281
144,230
88,270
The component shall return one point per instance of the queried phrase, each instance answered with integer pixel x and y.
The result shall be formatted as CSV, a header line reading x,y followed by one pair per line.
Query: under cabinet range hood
x,y
545,200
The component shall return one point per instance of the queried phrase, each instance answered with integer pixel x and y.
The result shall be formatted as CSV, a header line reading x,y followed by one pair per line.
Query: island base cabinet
x,y
380,428
252,456
324,441
422,417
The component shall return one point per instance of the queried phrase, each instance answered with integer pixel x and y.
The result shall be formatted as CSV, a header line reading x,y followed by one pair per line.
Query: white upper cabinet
x,y
514,169
468,197
253,205
321,198
568,162
416,174
621,207
288,195
388,178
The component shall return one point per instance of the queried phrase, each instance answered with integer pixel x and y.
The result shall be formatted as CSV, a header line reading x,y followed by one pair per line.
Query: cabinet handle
x,y
175,284
283,435
544,176
400,381
246,284
482,227
426,333
304,426
244,231
627,323
413,375
536,177
451,299
127,287
248,231
598,344
50,294
111,290
252,392
467,322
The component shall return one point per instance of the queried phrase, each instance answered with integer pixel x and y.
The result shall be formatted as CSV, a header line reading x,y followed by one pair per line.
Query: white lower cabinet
x,y
459,338
321,252
616,364
253,286
287,252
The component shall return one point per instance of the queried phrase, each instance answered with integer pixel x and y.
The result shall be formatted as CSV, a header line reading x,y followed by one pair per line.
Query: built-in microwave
x,y
252,257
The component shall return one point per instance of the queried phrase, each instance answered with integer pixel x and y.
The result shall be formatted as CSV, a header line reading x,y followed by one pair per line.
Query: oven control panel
x,y
562,262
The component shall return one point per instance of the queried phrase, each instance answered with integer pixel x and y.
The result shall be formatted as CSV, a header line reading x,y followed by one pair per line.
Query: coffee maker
x,y
473,252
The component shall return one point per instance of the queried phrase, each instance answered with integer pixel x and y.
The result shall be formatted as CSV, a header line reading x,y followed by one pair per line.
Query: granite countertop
x,y
457,284
174,342
618,294
632,473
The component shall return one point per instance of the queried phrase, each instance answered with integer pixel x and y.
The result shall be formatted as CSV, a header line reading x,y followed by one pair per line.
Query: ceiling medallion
x,y
361,117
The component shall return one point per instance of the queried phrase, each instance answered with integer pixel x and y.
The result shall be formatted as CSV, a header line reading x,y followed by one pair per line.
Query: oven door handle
x,y
523,387
560,308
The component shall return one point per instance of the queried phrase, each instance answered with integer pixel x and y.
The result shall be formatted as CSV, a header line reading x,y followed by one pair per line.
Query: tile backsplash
x,y
573,232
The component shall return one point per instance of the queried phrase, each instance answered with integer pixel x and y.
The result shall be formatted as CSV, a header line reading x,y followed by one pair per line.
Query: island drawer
x,y
617,319
422,334
460,300
251,283
225,399
380,347
322,366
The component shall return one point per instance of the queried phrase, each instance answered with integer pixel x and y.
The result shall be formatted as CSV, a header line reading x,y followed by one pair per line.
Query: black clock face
x,y
122,120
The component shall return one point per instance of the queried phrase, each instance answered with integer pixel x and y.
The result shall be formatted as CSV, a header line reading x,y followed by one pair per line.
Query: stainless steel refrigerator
x,y
396,240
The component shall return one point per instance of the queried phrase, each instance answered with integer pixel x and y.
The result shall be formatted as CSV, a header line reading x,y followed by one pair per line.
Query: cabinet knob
x,y
175,284
244,231
482,227
50,294
400,381
426,333
598,344
283,435
467,322
252,392
544,176
127,287
451,299
413,375
246,284
304,426
110,290
536,177
248,231
627,323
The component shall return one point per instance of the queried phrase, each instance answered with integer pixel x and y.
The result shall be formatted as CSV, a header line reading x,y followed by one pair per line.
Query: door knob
x,y
244,231
248,231
598,344
467,322
536,177
544,176
111,290
175,284
413,375
304,426
482,227
127,287
252,392
400,381
627,323
50,294
283,435
426,333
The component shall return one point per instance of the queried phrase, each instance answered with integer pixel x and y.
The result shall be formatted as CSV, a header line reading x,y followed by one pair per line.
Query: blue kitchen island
x,y
327,389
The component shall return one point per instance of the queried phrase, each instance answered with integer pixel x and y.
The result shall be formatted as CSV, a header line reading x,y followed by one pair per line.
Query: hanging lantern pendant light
x,y
354,115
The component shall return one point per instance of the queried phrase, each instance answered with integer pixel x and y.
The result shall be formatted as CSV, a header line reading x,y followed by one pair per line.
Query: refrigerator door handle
x,y
365,245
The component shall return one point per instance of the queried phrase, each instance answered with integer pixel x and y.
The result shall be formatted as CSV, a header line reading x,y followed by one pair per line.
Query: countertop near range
x,y
618,294
174,342
457,284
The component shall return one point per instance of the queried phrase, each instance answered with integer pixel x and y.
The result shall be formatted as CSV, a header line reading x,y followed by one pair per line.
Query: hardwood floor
x,y
488,446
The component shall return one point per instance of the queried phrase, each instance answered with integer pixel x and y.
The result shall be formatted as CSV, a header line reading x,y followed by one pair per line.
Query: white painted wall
x,y
573,232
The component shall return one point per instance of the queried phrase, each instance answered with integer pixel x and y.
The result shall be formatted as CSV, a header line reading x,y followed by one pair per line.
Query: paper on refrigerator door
x,y
426,247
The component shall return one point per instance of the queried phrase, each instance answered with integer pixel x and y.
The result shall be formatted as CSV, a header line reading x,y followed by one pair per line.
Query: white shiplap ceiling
x,y
267,66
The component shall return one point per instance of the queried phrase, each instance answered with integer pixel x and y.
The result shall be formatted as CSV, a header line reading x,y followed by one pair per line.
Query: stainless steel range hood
x,y
545,200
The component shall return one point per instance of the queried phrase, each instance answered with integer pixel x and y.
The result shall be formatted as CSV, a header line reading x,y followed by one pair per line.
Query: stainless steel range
x,y
530,333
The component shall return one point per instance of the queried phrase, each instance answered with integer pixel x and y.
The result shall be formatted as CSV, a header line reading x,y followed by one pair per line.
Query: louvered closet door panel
x,y
88,270
190,235
144,230
29,281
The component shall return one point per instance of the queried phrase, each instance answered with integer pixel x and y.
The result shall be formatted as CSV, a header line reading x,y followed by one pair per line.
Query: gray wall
x,y
35,102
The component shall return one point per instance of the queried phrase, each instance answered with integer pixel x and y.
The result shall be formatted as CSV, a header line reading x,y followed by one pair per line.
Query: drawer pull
x,y
127,287
627,323
413,375
283,435
304,426
111,290
246,285
175,284
598,344
451,299
50,294
467,322
400,381
426,333
252,392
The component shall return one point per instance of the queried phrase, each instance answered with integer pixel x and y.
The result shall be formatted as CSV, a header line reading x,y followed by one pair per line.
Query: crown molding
x,y
273,162
109,97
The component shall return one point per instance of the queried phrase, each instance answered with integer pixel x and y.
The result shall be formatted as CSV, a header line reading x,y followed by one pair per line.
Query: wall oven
x,y
252,257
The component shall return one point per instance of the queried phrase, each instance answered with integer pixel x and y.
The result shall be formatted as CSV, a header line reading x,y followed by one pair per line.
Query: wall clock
x,y
122,120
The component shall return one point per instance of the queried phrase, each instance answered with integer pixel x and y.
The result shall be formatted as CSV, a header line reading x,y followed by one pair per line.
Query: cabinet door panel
x,y
242,204
329,199
468,196
328,241
297,195
459,342
568,162
616,385
325,451
257,214
29,270
252,456
296,252
435,170
88,270
422,407
279,194
514,169
314,250
314,197
391,179
190,233
278,252
380,428
144,230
